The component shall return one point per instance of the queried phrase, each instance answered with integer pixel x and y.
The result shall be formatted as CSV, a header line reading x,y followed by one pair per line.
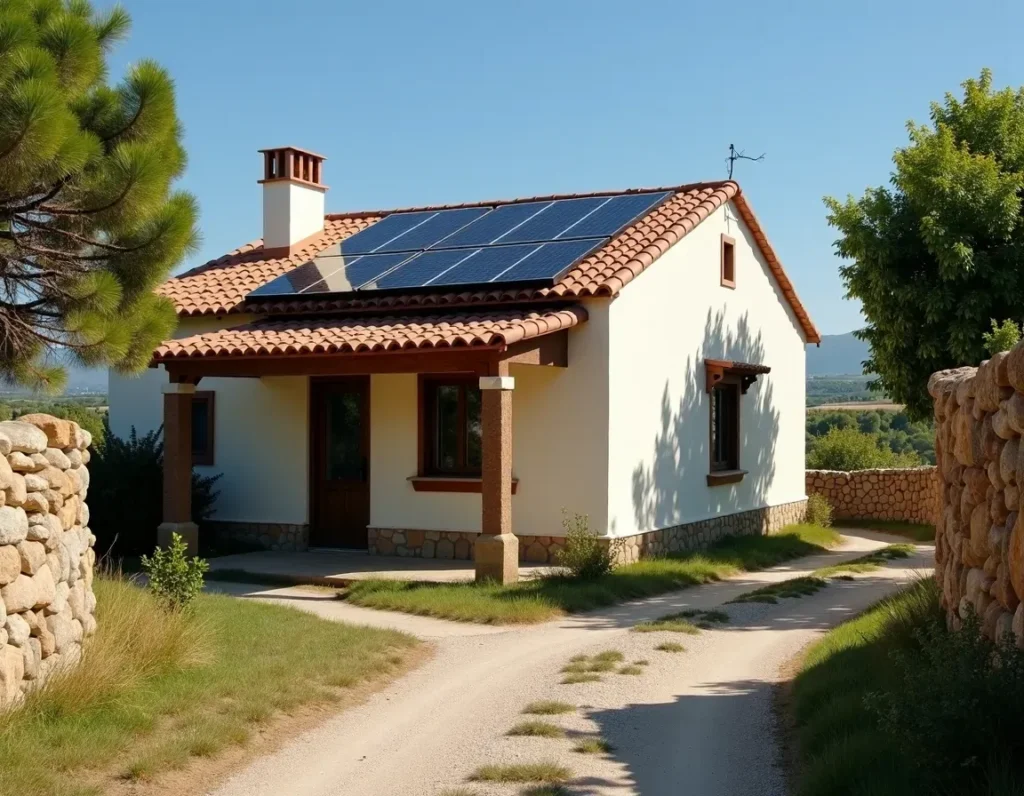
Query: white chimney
x,y
293,198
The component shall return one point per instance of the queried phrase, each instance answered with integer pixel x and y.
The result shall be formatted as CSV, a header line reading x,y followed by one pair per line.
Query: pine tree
x,y
89,224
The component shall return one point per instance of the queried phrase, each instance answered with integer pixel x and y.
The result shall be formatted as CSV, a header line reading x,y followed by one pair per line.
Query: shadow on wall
x,y
669,486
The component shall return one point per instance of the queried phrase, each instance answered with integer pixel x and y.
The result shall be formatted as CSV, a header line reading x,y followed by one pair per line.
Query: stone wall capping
x,y
47,604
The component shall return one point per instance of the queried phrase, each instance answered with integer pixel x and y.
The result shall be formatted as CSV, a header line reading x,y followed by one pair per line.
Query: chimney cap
x,y
293,149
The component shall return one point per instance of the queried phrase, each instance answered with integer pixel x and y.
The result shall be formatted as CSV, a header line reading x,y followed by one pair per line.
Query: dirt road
x,y
696,722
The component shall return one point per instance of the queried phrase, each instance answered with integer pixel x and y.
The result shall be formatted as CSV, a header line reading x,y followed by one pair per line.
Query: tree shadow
x,y
669,487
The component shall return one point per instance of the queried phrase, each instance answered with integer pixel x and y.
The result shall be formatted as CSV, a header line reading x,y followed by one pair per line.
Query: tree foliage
x,y
940,252
1003,337
850,449
89,224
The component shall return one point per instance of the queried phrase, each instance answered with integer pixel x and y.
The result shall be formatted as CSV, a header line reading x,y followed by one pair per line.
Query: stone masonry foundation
x,y
266,535
544,549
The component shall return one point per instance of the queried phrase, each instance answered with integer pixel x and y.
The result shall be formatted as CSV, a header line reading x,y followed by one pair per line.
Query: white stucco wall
x,y
291,212
662,327
261,437
559,445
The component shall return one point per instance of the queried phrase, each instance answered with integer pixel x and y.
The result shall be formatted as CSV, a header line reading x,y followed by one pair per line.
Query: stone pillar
x,y
178,467
497,549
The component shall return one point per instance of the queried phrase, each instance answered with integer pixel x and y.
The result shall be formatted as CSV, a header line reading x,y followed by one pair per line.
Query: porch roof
x,y
275,337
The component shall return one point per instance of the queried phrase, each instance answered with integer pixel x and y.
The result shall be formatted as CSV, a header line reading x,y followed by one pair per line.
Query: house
x,y
445,381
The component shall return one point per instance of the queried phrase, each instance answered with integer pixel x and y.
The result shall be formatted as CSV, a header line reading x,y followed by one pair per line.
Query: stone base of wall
x,y
267,535
911,494
544,549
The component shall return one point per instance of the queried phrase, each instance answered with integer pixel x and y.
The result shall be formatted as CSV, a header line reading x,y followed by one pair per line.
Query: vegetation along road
x,y
585,700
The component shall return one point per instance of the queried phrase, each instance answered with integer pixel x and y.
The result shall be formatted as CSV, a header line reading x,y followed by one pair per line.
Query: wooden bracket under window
x,y
715,370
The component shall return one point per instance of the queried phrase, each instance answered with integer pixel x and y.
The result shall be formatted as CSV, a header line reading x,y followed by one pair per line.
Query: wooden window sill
x,y
725,477
451,483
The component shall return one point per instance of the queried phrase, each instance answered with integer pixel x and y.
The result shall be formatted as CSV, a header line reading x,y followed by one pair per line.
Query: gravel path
x,y
695,722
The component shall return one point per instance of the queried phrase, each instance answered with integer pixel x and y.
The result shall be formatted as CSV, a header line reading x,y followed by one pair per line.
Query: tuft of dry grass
x,y
580,677
537,729
545,771
593,746
634,670
548,707
670,646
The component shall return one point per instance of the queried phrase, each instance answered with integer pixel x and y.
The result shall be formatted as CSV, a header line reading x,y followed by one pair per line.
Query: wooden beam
x,y
549,349
459,360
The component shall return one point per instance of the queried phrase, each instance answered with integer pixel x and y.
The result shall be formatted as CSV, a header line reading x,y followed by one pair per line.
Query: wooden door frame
x,y
316,384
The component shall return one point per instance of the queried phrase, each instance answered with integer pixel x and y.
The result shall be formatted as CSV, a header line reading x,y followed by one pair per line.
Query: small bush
x,y
126,493
850,449
584,555
1003,336
174,579
819,510
957,708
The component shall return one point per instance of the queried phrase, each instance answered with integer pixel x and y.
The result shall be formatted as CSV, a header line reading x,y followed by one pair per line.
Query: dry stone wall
x,y
979,551
909,494
47,604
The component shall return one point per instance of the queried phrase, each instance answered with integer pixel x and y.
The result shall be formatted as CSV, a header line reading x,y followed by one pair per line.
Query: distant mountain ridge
x,y
839,354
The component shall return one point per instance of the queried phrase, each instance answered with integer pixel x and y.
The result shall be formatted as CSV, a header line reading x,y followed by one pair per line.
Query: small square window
x,y
202,428
728,262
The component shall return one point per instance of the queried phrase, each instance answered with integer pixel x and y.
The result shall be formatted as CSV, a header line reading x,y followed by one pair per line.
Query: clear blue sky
x,y
432,102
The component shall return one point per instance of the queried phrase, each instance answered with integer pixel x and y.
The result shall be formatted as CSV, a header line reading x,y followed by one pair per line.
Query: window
x,y
728,262
202,428
452,429
725,427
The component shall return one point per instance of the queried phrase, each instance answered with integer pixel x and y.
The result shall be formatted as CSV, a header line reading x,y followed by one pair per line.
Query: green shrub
x,y
957,707
1003,336
819,510
850,449
173,578
126,493
584,555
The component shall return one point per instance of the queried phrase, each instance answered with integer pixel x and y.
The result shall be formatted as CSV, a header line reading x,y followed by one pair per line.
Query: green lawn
x,y
842,750
155,690
917,532
544,598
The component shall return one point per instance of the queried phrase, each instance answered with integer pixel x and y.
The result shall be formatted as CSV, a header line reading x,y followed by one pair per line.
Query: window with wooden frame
x,y
728,262
451,427
725,426
202,428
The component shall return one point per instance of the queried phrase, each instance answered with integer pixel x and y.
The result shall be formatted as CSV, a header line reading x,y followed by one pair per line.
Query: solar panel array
x,y
523,243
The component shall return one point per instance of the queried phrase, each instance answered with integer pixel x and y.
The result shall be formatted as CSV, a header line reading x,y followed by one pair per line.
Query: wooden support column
x,y
178,467
497,549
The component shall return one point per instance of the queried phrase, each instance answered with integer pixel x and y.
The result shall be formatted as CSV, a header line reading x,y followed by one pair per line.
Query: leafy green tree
x,y
1003,336
939,253
849,449
89,224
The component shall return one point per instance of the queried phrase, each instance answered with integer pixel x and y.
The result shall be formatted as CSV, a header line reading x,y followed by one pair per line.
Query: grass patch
x,y
548,707
157,689
867,563
843,750
537,729
680,622
670,646
459,792
546,790
613,656
631,669
573,678
523,772
642,663
544,598
918,532
792,588
593,746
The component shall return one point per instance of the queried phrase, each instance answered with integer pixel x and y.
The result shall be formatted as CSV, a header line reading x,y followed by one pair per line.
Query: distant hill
x,y
81,379
839,354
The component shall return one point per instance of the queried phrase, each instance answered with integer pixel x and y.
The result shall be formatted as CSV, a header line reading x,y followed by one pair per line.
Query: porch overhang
x,y
461,342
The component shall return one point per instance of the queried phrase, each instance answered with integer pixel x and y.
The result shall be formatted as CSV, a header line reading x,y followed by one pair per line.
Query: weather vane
x,y
737,154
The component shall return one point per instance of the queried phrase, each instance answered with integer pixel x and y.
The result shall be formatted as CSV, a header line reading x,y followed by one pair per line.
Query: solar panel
x,y
433,231
613,216
526,242
492,226
382,232
551,260
555,218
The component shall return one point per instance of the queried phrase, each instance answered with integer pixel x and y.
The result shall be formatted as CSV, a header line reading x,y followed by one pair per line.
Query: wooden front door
x,y
340,467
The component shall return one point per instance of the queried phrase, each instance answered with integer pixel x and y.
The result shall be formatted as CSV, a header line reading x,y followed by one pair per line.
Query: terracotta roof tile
x,y
370,333
220,287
